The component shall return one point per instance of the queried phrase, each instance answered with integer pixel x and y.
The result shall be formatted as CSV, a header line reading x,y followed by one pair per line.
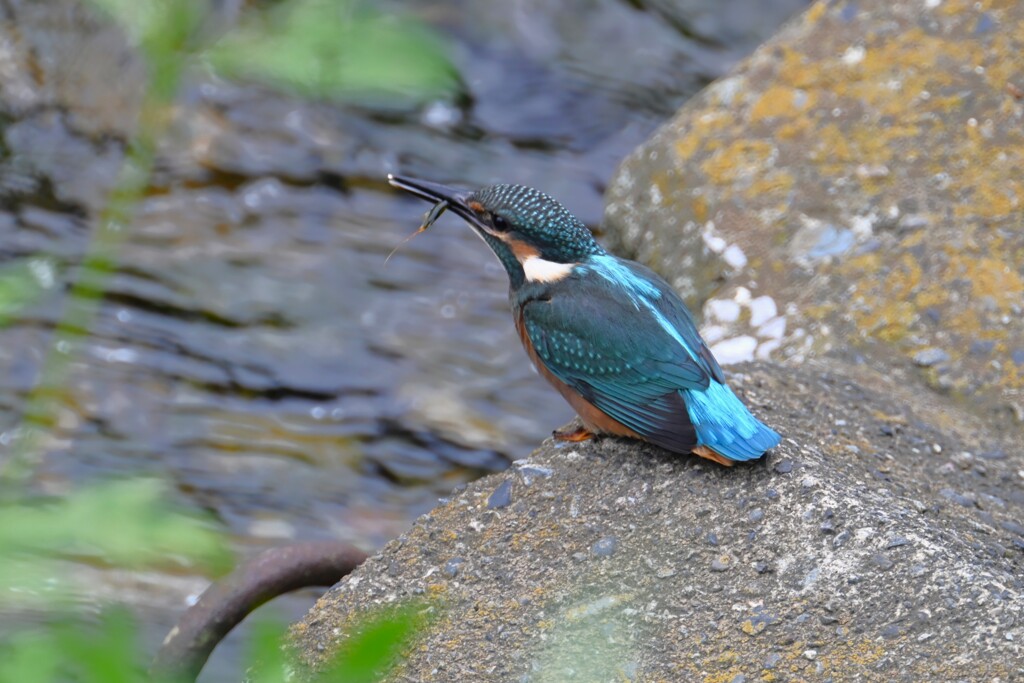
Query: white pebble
x,y
735,350
773,329
762,309
764,351
712,333
863,226
723,309
854,55
715,244
734,256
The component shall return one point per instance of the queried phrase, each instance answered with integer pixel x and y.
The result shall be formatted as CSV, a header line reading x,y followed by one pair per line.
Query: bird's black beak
x,y
435,193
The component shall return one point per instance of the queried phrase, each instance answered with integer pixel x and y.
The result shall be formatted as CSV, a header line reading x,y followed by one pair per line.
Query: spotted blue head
x,y
531,233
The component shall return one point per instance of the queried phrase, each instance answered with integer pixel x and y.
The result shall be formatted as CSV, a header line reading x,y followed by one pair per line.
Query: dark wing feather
x,y
620,357
672,308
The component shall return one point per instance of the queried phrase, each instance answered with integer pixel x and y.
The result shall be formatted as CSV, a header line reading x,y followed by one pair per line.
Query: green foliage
x,y
338,49
335,48
371,651
375,646
127,523
105,650
265,651
21,283
325,48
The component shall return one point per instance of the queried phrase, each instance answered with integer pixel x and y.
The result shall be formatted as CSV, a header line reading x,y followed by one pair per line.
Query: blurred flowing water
x,y
254,349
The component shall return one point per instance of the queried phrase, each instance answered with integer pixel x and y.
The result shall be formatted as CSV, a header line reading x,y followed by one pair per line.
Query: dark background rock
x,y
70,90
874,544
865,170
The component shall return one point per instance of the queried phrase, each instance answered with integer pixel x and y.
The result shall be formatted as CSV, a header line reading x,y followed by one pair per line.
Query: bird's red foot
x,y
575,435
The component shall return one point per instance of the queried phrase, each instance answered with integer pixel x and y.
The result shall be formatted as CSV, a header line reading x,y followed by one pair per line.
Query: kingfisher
x,y
609,334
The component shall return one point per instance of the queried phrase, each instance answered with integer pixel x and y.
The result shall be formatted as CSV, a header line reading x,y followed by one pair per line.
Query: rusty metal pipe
x,y
226,602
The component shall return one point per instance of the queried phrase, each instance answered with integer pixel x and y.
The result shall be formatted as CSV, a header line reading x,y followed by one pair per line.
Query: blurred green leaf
x,y
166,32
127,523
159,24
21,283
104,652
137,17
265,653
372,650
29,657
336,48
376,645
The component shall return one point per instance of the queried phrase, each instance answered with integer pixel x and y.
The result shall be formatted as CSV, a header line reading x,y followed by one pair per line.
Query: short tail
x,y
726,427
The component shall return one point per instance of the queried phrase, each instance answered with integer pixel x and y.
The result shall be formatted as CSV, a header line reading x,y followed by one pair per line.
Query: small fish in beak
x,y
429,218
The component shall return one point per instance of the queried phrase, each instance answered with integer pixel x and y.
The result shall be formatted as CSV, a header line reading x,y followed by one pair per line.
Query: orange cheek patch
x,y
476,206
521,250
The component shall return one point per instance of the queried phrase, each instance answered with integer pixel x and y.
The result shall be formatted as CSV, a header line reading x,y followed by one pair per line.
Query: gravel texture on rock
x,y
845,554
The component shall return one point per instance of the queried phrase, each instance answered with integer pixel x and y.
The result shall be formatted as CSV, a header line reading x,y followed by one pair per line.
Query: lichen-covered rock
x,y
864,172
878,542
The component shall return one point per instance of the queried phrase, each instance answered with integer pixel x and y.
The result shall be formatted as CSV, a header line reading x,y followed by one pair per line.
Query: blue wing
x,y
621,358
620,336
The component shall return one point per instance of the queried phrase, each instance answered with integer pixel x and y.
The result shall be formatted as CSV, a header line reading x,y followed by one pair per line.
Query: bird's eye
x,y
500,223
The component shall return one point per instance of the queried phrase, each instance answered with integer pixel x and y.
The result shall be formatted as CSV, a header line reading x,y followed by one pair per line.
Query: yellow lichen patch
x,y
953,8
700,208
998,72
1013,377
904,279
888,321
703,133
713,122
933,295
886,314
797,128
723,676
815,13
736,160
687,145
946,104
799,71
819,312
775,183
990,201
839,148
869,262
885,417
661,181
900,56
990,278
780,101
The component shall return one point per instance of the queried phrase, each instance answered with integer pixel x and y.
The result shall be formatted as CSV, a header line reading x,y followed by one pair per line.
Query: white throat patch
x,y
539,270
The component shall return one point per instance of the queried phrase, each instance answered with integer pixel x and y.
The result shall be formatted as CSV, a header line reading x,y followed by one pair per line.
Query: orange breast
x,y
593,417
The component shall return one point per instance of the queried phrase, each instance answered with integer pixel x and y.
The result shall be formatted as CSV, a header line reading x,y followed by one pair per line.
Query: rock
x,y
605,547
785,582
867,161
721,563
930,356
501,496
71,117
